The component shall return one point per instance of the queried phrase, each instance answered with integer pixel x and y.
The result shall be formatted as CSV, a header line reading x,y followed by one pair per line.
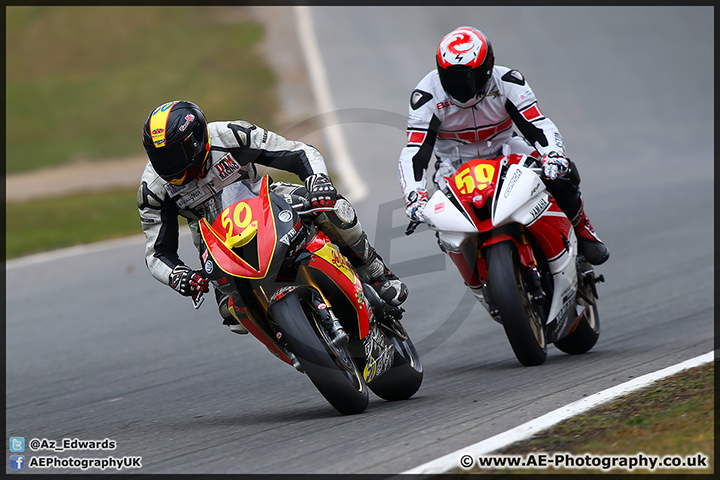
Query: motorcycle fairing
x,y
473,185
555,235
239,225
513,204
441,214
326,258
258,332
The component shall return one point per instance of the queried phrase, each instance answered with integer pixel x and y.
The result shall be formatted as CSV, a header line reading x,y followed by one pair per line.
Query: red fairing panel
x,y
254,213
327,259
550,230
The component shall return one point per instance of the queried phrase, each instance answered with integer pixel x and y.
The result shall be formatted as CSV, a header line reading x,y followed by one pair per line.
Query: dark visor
x,y
462,83
173,161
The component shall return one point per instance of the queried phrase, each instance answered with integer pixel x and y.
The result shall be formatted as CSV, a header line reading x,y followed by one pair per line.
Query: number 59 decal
x,y
479,175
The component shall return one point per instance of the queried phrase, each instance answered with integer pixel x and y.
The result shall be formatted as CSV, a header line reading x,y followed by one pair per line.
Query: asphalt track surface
x,y
95,348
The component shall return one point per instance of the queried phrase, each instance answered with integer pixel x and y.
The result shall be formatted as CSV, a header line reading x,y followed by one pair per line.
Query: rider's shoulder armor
x,y
514,76
231,134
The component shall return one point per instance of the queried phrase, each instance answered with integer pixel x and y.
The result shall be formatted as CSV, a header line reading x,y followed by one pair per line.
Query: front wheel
x,y
329,366
523,324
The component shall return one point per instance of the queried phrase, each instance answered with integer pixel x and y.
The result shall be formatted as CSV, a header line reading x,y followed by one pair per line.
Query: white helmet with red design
x,y
465,61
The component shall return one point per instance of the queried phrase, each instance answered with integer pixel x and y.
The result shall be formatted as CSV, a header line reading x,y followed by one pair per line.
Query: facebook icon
x,y
17,462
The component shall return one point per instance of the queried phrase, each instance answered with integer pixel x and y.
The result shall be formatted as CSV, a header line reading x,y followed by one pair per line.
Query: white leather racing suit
x,y
436,125
235,147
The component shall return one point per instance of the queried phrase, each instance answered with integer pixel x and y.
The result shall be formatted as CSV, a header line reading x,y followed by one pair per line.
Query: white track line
x,y
72,251
77,250
451,461
353,186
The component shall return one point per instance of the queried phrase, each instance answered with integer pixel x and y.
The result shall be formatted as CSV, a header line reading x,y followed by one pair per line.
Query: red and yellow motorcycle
x,y
303,299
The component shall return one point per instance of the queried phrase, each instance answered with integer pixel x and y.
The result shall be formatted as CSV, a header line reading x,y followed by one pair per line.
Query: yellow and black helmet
x,y
175,137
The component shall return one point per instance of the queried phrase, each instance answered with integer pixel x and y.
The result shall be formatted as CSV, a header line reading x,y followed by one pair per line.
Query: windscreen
x,y
229,195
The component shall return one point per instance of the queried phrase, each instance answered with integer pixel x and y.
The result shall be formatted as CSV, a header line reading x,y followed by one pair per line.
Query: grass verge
x,y
672,417
48,224
81,80
86,77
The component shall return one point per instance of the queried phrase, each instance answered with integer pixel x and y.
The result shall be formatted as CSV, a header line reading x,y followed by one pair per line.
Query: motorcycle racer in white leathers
x,y
190,160
469,106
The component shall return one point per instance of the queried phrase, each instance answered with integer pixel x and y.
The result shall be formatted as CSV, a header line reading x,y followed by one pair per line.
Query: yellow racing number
x,y
241,218
464,181
480,177
484,174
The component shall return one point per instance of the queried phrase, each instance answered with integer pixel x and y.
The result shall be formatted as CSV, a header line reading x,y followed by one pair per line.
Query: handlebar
x,y
411,227
303,207
197,300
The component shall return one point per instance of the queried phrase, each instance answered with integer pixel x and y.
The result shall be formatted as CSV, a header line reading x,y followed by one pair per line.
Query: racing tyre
x,y
330,367
585,335
405,376
524,327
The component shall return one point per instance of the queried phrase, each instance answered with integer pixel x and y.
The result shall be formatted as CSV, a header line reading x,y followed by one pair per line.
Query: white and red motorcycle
x,y
517,251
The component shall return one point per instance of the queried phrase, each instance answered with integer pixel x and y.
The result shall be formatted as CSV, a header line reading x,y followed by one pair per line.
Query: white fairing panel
x,y
564,278
521,199
441,214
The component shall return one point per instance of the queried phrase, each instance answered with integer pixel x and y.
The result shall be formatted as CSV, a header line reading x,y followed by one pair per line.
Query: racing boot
x,y
372,270
589,244
231,311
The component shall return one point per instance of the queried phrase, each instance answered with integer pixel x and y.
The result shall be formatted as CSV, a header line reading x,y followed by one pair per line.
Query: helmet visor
x,y
463,83
180,162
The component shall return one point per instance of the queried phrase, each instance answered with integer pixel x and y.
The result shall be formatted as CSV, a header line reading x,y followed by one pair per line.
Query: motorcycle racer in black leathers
x,y
190,160
466,108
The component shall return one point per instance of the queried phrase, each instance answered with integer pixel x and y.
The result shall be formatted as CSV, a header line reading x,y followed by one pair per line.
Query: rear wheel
x,y
584,337
329,366
405,376
523,325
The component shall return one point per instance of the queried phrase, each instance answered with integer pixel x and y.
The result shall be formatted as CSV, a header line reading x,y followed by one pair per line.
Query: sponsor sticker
x,y
226,166
188,119
285,216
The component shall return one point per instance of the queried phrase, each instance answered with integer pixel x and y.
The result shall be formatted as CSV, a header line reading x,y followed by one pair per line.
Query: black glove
x,y
321,191
188,282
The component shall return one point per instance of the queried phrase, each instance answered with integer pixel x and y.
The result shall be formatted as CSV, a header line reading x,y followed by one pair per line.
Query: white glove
x,y
554,165
415,202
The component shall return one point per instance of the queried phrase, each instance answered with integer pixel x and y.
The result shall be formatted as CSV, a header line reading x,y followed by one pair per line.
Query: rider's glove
x,y
188,282
321,191
554,165
415,202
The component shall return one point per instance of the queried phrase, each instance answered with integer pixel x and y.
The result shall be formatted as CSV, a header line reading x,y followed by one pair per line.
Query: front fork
x,y
330,322
471,263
